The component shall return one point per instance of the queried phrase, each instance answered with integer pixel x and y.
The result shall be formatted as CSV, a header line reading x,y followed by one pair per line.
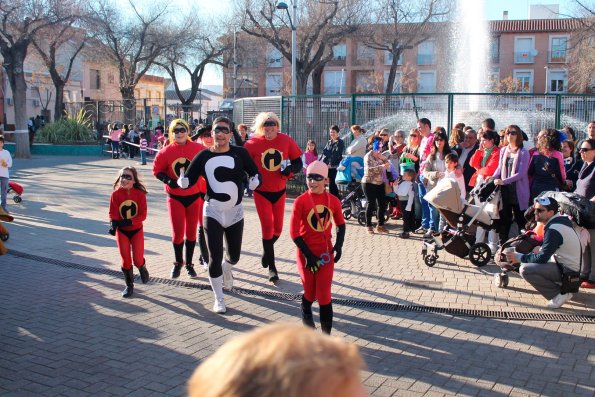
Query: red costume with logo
x,y
129,204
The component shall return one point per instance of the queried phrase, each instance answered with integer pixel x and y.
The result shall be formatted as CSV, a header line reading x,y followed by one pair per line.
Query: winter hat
x,y
317,167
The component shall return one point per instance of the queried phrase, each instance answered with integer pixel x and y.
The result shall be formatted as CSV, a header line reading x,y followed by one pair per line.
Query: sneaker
x,y
588,284
219,306
175,271
420,230
191,271
273,275
370,230
205,264
381,229
227,275
429,234
404,235
558,300
435,234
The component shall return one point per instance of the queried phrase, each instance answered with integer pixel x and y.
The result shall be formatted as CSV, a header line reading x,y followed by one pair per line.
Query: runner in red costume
x,y
271,150
127,211
182,204
310,228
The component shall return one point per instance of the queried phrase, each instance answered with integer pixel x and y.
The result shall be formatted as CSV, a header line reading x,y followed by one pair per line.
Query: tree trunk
x,y
317,80
18,85
59,104
129,104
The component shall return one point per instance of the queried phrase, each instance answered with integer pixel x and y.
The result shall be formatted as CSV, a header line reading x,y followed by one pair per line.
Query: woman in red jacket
x,y
182,204
485,159
127,211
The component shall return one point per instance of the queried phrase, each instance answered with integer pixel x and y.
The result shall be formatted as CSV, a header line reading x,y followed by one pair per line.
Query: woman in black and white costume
x,y
223,167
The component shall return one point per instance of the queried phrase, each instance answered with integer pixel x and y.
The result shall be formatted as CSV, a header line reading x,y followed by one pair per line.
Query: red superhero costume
x,y
310,225
183,204
129,204
269,197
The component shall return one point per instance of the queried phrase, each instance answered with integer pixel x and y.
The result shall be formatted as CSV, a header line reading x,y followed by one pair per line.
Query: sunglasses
x,y
315,177
126,177
220,129
413,136
512,132
179,130
540,210
270,124
584,150
383,135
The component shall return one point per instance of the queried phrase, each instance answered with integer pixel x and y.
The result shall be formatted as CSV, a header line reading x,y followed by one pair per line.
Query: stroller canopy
x,y
446,195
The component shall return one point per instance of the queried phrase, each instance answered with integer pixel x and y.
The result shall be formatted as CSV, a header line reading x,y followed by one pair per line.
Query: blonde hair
x,y
258,126
173,124
278,360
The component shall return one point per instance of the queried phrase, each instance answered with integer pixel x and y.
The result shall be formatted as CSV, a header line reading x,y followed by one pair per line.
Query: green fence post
x,y
353,109
558,110
449,123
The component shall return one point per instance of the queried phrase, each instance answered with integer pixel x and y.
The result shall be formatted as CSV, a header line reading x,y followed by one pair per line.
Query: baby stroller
x,y
17,189
458,237
349,175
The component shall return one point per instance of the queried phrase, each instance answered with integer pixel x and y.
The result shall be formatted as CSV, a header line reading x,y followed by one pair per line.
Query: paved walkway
x,y
66,330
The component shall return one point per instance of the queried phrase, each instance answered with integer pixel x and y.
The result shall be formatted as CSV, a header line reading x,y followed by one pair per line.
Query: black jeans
x,y
332,185
408,217
376,202
510,206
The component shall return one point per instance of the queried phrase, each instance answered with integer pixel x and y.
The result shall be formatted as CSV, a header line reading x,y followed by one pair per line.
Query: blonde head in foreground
x,y
280,360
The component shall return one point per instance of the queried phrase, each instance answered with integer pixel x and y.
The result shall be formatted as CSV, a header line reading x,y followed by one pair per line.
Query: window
x,y
425,53
558,47
334,82
364,52
524,50
275,58
274,84
495,49
388,58
340,52
364,82
397,82
95,79
558,83
524,80
426,81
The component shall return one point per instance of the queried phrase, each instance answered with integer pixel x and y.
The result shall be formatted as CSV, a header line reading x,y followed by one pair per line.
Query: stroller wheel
x,y
480,254
347,214
17,199
430,260
501,280
361,218
4,237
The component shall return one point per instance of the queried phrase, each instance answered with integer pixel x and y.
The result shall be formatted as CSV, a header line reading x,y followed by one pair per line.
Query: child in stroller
x,y
462,218
349,175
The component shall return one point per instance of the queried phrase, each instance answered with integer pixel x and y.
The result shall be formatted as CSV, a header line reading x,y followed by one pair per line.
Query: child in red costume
x,y
182,204
271,151
310,228
127,211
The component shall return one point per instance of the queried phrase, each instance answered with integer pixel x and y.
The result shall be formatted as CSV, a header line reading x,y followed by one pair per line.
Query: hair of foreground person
x,y
279,360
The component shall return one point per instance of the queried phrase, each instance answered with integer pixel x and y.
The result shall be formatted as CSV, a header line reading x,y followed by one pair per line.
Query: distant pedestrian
x,y
143,149
5,164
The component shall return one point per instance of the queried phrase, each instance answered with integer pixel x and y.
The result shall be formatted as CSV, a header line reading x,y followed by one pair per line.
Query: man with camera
x,y
558,262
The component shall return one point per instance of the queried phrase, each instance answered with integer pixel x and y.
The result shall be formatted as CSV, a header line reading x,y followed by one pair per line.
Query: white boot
x,y
217,285
227,275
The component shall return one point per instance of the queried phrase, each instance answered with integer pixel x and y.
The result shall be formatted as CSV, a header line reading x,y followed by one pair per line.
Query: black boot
x,y
202,244
178,252
268,258
144,273
129,277
326,318
307,318
190,245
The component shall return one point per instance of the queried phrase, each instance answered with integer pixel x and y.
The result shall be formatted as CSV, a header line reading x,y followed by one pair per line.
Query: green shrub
x,y
68,130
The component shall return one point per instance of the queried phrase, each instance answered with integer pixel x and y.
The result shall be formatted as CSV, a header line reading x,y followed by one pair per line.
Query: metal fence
x,y
309,117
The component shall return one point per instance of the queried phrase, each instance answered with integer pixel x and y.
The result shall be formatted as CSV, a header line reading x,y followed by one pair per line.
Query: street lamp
x,y
281,5
546,82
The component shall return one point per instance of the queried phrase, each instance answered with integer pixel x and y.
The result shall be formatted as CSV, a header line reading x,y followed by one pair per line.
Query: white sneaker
x,y
205,264
558,300
227,275
219,306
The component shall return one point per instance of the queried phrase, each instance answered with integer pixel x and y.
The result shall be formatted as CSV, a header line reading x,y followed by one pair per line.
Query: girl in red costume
x,y
127,211
271,150
310,228
182,204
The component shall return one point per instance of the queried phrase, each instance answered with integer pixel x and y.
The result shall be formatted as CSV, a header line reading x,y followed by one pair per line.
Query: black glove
x,y
286,171
312,261
162,176
338,248
113,226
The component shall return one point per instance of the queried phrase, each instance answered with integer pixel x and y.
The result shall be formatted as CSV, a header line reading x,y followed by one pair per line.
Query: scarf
x,y
504,169
486,155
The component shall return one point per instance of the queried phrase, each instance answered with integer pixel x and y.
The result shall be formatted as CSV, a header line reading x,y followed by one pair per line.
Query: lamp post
x,y
546,82
281,5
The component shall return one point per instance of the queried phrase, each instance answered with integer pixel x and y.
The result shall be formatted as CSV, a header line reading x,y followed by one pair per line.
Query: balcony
x,y
363,62
524,57
557,56
337,61
426,59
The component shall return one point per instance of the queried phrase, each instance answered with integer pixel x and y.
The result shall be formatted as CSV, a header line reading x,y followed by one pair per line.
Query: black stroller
x,y
352,202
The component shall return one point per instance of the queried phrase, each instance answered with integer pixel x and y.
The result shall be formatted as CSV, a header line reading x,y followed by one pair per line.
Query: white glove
x,y
254,182
182,180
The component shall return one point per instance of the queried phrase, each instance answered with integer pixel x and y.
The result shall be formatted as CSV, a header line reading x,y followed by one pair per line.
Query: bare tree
x,y
322,25
20,20
196,48
133,41
398,25
582,47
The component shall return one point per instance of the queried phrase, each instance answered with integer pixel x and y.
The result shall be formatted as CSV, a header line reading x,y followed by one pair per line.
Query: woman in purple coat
x,y
511,175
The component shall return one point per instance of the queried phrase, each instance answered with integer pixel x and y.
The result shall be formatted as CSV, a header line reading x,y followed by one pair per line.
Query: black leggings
x,y
233,239
375,194
510,206
332,185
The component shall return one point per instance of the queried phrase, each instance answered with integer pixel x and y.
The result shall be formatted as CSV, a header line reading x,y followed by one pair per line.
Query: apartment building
x,y
532,55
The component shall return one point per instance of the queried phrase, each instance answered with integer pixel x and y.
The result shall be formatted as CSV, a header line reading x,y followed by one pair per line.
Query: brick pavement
x,y
62,330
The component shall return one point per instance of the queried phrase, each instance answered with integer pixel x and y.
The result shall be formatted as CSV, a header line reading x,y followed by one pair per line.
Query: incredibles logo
x,y
181,162
325,216
271,159
128,209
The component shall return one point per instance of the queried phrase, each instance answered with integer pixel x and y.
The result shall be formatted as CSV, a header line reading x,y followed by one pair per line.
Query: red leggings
x,y
271,215
201,204
316,285
137,242
184,220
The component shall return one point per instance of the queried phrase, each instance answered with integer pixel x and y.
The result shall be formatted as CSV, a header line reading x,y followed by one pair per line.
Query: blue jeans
x,y
434,218
143,157
115,149
425,207
3,192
